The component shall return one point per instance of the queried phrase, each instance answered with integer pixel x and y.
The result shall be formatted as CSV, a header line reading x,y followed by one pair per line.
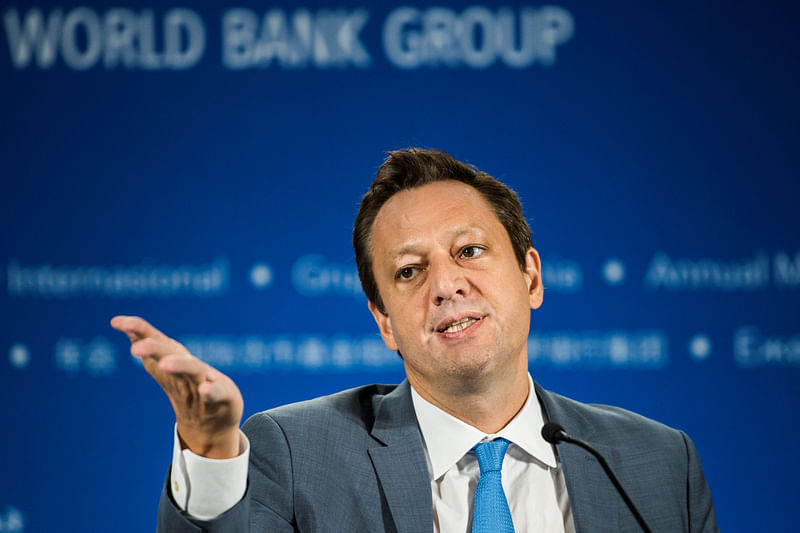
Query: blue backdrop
x,y
201,166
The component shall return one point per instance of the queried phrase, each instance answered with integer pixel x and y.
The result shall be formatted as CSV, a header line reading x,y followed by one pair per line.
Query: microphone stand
x,y
554,433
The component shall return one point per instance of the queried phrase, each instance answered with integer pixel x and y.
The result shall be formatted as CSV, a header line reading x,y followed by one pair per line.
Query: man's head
x,y
449,290
413,168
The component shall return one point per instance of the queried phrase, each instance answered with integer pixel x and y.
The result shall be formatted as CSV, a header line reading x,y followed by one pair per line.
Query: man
x,y
445,258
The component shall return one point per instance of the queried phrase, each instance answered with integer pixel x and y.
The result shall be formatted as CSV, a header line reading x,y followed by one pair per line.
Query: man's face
x,y
457,302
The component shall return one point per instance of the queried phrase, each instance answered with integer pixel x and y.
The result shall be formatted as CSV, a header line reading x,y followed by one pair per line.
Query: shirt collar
x,y
447,439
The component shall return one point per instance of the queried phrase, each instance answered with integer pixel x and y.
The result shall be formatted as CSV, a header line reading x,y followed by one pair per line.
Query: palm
x,y
208,405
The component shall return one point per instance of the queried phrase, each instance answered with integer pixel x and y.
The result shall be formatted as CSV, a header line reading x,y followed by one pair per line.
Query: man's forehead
x,y
433,201
445,208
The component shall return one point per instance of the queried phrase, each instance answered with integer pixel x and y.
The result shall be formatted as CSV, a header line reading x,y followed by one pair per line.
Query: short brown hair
x,y
415,167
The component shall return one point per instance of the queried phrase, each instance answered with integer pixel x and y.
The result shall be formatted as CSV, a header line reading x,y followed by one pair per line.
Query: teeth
x,y
460,325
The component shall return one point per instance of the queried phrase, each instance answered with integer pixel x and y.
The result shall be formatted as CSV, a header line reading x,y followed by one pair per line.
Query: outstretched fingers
x,y
208,405
184,365
163,358
136,328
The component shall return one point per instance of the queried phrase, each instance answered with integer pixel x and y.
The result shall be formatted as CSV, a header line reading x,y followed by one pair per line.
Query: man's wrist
x,y
205,488
219,445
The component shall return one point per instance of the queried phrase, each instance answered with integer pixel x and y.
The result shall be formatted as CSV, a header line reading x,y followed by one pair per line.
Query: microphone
x,y
554,433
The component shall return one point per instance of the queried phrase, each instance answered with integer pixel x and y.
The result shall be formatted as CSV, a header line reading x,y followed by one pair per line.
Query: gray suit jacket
x,y
354,462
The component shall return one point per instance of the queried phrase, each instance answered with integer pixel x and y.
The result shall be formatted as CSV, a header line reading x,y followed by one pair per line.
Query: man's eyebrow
x,y
411,248
415,247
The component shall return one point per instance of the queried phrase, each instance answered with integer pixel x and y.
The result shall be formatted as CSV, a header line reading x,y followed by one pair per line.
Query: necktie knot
x,y
491,454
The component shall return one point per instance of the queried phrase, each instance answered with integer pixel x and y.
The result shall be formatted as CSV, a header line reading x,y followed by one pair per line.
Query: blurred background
x,y
201,165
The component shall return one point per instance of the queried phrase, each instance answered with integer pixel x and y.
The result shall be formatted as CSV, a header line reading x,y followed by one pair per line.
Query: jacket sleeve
x,y
267,504
702,518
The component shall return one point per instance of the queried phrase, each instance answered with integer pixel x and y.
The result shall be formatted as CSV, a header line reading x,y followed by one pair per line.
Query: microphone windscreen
x,y
550,432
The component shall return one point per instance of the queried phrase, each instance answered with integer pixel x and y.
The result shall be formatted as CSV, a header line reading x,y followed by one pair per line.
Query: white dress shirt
x,y
205,488
532,476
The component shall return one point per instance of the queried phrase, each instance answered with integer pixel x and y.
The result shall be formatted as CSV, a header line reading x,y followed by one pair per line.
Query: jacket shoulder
x,y
606,424
353,408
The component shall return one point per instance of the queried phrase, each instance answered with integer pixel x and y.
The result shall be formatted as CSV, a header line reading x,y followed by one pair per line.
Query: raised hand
x,y
208,405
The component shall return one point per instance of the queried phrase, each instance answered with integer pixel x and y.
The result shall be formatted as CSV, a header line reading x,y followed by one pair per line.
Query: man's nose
x,y
447,280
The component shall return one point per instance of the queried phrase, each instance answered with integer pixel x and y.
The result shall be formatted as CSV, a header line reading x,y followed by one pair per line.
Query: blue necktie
x,y
491,514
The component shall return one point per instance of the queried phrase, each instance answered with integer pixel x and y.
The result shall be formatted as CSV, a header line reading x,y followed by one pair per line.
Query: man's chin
x,y
472,373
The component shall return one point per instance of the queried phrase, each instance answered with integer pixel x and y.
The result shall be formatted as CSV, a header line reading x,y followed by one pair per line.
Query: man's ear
x,y
533,274
384,325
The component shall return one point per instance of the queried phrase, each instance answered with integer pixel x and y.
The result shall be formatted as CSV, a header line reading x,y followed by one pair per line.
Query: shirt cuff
x,y
205,488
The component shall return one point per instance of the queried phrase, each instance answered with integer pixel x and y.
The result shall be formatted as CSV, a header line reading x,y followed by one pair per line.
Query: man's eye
x,y
406,273
471,251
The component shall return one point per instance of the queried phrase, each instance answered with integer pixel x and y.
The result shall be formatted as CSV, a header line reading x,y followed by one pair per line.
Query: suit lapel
x,y
400,463
593,499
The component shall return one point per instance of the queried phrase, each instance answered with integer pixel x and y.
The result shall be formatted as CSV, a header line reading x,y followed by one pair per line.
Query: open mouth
x,y
458,325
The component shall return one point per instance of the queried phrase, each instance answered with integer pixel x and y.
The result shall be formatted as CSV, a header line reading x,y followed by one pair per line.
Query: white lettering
x,y
239,34
142,280
119,38
309,352
326,39
752,349
12,520
32,37
184,38
562,275
404,48
509,32
786,272
81,24
275,40
477,37
312,276
149,58
709,274
439,25
557,27
633,349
